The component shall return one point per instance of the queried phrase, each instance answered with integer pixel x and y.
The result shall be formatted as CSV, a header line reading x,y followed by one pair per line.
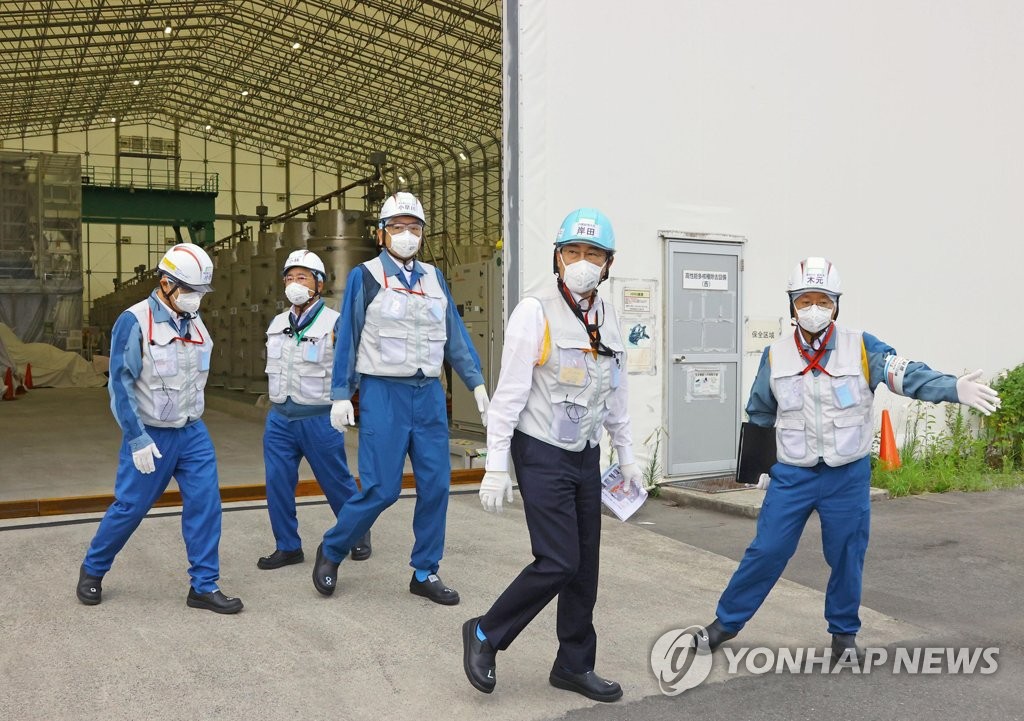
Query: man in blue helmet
x,y
398,325
159,361
300,358
816,388
562,380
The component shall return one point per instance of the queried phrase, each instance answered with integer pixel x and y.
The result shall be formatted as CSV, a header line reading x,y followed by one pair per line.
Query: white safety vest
x,y
825,416
169,392
571,384
404,330
301,369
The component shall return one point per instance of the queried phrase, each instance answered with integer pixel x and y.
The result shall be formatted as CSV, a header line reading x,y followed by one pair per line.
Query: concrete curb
x,y
737,503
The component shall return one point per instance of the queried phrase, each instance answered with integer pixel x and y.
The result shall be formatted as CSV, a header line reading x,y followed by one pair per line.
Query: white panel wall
x,y
884,135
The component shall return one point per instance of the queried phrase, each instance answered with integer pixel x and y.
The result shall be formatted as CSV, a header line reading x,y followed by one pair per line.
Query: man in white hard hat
x,y
398,326
562,382
816,388
159,360
300,359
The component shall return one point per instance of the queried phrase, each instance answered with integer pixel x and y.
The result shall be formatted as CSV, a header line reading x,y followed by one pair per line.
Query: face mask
x,y
405,245
582,276
814,318
297,294
188,302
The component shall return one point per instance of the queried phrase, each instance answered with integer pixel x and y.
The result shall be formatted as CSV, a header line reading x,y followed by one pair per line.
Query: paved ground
x,y
950,564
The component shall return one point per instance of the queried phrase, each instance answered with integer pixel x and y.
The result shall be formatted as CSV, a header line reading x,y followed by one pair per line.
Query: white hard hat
x,y
402,204
812,274
304,259
188,264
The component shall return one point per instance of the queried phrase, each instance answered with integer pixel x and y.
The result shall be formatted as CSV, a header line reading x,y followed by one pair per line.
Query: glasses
x,y
591,255
823,303
399,228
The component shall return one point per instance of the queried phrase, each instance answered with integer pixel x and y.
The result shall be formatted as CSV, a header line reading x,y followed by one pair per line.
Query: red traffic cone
x,y
28,377
9,386
888,454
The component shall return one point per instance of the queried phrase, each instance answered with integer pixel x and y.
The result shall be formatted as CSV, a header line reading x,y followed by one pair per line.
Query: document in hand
x,y
621,500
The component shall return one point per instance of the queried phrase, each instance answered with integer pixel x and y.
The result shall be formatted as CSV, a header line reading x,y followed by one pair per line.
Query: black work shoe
x,y
280,558
325,572
362,550
434,589
213,601
90,588
845,649
477,658
716,635
587,683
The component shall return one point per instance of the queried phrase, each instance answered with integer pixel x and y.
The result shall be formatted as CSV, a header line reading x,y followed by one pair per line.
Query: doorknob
x,y
679,358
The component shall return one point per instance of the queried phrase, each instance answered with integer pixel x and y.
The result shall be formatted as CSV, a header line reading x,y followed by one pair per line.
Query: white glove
x,y
977,395
144,458
494,486
482,402
631,474
763,480
342,414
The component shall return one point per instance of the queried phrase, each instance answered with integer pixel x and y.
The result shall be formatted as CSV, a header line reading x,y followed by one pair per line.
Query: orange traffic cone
x,y
9,386
888,454
28,377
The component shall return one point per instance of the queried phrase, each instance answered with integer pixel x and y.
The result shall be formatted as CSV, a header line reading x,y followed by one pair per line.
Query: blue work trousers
x,y
561,493
395,420
187,456
841,496
285,442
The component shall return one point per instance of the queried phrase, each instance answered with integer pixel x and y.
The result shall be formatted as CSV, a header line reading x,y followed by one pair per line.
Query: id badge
x,y
616,370
565,425
572,367
435,309
843,394
204,361
395,304
313,352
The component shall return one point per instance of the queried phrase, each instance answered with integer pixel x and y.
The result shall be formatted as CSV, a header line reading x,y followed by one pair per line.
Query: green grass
x,y
915,477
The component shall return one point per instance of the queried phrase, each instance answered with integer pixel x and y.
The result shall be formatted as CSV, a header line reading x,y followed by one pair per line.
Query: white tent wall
x,y
883,135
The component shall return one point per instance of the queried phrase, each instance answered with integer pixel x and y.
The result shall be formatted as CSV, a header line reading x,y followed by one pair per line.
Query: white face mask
x,y
814,318
297,294
405,245
188,302
582,276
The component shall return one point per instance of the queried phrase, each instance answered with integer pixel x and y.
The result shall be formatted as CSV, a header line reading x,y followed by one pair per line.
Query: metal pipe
x,y
267,222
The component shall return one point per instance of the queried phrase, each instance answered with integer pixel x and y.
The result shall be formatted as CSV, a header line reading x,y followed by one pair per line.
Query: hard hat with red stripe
x,y
189,265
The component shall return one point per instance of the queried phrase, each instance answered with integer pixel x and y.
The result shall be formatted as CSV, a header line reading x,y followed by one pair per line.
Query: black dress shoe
x,y
846,643
90,588
716,634
362,550
213,601
280,558
587,683
434,589
325,572
477,658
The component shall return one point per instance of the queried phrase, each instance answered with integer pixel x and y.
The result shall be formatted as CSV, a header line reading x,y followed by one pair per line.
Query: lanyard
x,y
419,282
814,362
300,333
593,329
183,340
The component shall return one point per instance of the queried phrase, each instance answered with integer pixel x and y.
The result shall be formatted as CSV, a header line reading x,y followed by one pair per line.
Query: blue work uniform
x,y
299,365
404,413
839,493
159,399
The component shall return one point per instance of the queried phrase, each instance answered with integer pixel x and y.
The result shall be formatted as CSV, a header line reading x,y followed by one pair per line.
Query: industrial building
x,y
725,138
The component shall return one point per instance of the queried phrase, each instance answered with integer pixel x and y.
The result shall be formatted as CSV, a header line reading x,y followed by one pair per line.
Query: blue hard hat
x,y
587,225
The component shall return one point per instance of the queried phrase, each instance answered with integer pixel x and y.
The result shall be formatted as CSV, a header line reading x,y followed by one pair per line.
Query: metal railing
x,y
150,178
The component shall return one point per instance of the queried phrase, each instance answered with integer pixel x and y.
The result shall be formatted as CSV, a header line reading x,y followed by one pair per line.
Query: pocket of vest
x,y
273,383
392,346
790,393
435,348
274,345
165,403
792,436
565,421
849,433
165,359
312,383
